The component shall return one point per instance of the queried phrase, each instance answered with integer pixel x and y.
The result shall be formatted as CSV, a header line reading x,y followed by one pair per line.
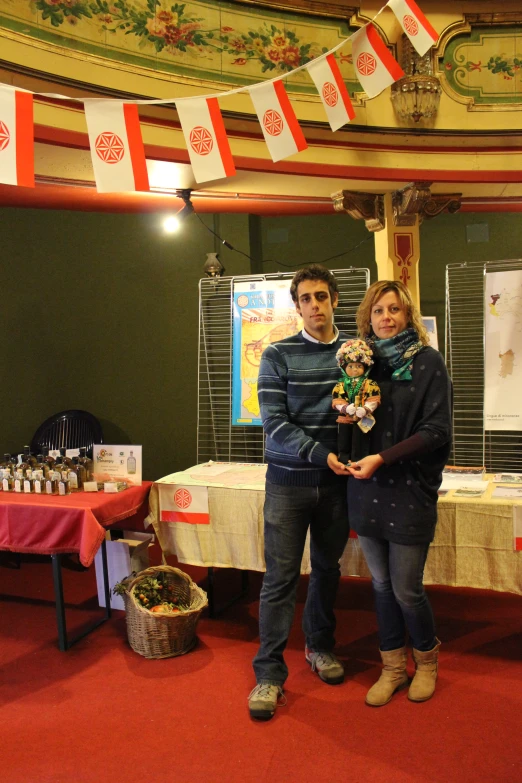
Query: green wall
x,y
100,311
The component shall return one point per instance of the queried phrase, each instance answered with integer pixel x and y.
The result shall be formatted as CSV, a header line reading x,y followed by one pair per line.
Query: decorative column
x,y
395,218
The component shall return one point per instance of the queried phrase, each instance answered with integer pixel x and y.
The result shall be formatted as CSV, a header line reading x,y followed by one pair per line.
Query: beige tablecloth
x,y
473,545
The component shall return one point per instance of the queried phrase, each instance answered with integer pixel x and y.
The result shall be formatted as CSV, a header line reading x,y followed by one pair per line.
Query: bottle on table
x,y
28,485
64,486
13,464
19,481
65,460
87,463
80,472
25,467
48,459
29,457
51,484
8,482
39,482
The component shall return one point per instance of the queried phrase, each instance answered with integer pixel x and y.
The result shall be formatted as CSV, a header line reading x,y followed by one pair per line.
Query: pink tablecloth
x,y
49,524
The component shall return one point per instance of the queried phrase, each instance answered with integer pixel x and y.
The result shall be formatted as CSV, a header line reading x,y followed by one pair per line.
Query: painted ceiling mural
x,y
214,41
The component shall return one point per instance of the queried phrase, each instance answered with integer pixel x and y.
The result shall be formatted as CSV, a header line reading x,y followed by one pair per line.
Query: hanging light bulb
x,y
171,224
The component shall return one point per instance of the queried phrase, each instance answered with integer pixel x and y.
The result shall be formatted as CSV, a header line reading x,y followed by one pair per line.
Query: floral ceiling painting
x,y
484,66
213,41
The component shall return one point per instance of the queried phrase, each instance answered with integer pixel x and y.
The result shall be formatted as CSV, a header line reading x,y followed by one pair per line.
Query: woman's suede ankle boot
x,y
393,677
422,687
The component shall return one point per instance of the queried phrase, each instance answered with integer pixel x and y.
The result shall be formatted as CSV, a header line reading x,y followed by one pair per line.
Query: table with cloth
x,y
473,545
73,524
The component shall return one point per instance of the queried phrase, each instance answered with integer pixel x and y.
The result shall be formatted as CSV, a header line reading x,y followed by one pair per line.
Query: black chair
x,y
69,429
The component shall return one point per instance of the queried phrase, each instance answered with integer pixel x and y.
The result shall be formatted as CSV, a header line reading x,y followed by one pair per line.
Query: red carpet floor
x,y
100,712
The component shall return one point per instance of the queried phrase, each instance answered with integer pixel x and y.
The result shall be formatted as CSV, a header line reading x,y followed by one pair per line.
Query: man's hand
x,y
366,467
336,466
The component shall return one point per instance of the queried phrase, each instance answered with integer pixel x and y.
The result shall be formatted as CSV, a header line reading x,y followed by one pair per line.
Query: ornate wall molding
x,y
415,199
334,8
479,63
361,206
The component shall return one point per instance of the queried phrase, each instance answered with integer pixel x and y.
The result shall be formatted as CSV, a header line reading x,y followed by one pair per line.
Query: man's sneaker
x,y
328,667
262,701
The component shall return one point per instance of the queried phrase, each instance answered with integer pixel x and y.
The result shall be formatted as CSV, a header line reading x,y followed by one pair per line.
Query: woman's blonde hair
x,y
374,293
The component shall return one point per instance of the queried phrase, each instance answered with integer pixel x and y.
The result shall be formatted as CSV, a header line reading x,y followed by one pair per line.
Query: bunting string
x,y
115,139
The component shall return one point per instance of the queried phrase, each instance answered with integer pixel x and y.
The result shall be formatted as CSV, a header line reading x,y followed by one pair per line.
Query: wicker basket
x,y
163,635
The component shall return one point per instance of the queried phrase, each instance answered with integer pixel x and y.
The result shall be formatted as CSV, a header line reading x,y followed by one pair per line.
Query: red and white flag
x,y
517,528
327,78
374,66
16,137
279,124
118,156
415,25
180,503
206,138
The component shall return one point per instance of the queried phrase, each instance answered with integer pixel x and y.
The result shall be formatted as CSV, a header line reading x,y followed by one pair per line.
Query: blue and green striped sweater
x,y
295,383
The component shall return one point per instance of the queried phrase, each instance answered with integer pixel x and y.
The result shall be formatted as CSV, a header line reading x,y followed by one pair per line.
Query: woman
x,y
392,493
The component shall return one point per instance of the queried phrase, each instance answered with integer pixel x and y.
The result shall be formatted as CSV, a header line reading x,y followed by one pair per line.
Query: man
x,y
305,488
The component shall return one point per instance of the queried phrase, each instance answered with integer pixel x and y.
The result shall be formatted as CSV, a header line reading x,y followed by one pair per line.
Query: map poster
x,y
503,351
263,313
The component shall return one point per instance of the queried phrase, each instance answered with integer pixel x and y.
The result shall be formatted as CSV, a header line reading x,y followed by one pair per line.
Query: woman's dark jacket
x,y
412,434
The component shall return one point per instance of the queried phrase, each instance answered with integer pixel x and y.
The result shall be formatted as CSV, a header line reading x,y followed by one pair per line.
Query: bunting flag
x,y
374,66
117,153
16,137
415,25
206,138
327,77
278,122
517,528
183,504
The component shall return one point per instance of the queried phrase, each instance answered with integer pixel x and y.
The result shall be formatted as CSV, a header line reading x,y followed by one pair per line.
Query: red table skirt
x,y
50,524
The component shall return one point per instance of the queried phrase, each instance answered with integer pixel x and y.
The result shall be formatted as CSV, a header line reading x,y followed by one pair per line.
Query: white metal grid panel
x,y
465,323
217,438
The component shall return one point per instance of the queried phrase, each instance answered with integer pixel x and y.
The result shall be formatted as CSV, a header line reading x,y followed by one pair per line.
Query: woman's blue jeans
x,y
289,512
401,602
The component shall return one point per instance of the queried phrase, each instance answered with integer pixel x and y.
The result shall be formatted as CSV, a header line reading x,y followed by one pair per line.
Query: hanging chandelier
x,y
416,96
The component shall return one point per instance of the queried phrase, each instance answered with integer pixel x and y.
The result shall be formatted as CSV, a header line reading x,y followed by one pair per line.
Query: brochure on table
x,y
117,463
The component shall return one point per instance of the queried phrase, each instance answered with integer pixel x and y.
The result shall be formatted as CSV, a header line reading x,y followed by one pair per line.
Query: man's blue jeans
x,y
289,512
401,602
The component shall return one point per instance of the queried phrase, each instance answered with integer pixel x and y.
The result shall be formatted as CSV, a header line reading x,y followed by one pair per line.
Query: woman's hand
x,y
366,467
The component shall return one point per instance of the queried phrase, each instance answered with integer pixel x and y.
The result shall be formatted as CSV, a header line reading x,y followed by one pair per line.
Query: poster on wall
x,y
430,322
263,314
503,351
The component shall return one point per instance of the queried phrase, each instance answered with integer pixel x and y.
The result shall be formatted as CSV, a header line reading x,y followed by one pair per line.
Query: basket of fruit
x,y
163,606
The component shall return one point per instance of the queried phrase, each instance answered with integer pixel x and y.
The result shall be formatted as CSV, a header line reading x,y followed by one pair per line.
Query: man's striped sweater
x,y
295,383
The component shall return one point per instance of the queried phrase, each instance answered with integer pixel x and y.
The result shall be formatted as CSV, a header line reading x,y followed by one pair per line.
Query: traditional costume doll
x,y
355,397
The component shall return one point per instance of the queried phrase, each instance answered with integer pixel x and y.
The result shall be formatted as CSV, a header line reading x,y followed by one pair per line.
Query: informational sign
x,y
117,463
503,354
430,322
263,313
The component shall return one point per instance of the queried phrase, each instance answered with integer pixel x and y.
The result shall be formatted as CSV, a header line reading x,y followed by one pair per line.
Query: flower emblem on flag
x,y
330,94
410,25
182,498
366,63
273,122
109,147
5,136
201,140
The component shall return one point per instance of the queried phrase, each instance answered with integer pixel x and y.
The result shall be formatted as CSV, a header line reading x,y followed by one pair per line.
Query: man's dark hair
x,y
314,272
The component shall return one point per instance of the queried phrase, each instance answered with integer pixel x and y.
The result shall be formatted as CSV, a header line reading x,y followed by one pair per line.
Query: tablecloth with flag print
x,y
475,542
